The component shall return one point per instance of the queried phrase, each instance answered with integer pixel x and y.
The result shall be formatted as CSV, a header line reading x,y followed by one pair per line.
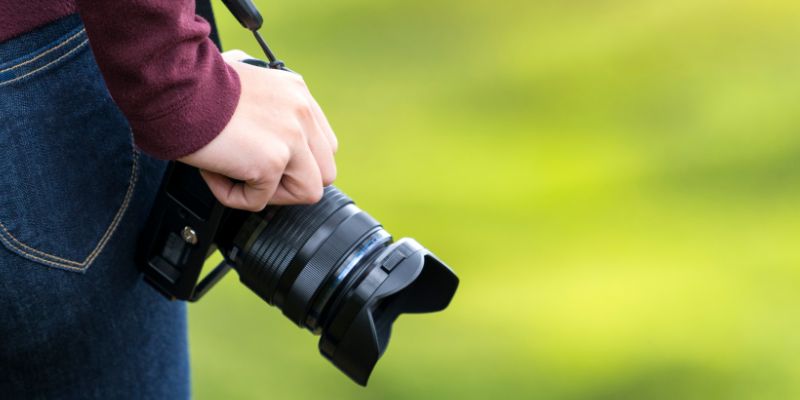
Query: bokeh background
x,y
616,183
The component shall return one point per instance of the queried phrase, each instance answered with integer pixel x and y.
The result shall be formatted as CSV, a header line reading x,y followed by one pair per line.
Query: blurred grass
x,y
616,183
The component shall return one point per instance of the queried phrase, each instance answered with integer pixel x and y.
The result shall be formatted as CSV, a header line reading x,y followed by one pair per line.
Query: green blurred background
x,y
615,182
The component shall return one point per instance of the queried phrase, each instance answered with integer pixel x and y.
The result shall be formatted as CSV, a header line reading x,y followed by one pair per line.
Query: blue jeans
x,y
76,318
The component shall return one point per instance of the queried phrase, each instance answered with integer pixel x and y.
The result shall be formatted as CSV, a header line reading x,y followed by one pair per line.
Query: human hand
x,y
277,148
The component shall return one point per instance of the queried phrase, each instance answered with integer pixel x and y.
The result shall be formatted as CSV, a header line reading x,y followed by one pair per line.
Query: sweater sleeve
x,y
163,71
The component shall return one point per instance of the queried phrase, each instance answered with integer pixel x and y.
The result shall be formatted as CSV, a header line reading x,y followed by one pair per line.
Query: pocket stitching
x,y
30,252
44,53
74,49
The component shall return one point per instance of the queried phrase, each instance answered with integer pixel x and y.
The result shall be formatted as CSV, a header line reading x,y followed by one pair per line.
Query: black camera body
x,y
330,267
180,235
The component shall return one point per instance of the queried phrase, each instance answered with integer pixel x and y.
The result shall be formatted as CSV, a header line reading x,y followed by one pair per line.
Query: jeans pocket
x,y
68,166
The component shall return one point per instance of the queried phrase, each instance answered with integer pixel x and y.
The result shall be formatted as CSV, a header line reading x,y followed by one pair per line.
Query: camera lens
x,y
290,254
332,269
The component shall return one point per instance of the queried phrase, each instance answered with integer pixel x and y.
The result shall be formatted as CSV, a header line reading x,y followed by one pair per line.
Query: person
x,y
94,96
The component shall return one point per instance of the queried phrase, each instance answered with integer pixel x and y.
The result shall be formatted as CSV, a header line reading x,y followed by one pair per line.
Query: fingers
x,y
250,195
277,148
325,125
320,147
301,182
323,155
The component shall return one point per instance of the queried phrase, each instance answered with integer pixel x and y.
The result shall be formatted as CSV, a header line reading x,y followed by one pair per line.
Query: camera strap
x,y
203,9
246,12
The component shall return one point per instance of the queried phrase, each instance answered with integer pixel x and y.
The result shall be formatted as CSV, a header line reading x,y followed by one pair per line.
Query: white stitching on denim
x,y
31,249
117,218
81,44
46,52
42,260
74,265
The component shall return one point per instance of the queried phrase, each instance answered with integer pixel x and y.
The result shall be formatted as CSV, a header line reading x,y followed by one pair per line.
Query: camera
x,y
330,267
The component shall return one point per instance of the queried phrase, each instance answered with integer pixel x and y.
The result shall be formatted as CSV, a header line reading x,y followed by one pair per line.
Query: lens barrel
x,y
332,269
293,250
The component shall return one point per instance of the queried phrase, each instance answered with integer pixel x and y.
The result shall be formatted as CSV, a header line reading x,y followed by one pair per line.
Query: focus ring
x,y
280,286
287,229
348,235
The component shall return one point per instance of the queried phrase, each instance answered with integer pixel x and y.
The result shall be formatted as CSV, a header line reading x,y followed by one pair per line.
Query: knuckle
x,y
312,195
273,160
252,205
329,177
301,105
296,136
277,161
304,112
252,174
275,166
298,79
256,207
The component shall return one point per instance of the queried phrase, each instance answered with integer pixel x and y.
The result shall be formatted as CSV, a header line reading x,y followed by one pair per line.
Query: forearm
x,y
163,72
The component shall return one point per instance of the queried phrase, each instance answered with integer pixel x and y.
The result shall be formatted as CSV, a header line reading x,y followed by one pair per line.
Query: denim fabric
x,y
76,319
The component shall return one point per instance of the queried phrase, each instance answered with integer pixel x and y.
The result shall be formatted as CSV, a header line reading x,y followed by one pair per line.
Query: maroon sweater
x,y
162,70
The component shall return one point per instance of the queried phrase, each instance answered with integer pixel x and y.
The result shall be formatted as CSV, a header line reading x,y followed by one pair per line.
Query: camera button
x,y
392,261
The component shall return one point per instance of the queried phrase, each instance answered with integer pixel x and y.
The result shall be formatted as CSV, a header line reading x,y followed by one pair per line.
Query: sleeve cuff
x,y
194,121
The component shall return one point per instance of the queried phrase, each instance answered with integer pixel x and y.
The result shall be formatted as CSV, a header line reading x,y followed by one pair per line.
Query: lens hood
x,y
408,278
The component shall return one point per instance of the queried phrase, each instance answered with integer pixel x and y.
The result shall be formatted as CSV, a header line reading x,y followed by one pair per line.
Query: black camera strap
x,y
246,12
203,9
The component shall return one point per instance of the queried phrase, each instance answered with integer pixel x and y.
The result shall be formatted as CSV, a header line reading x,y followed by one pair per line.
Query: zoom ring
x,y
287,229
